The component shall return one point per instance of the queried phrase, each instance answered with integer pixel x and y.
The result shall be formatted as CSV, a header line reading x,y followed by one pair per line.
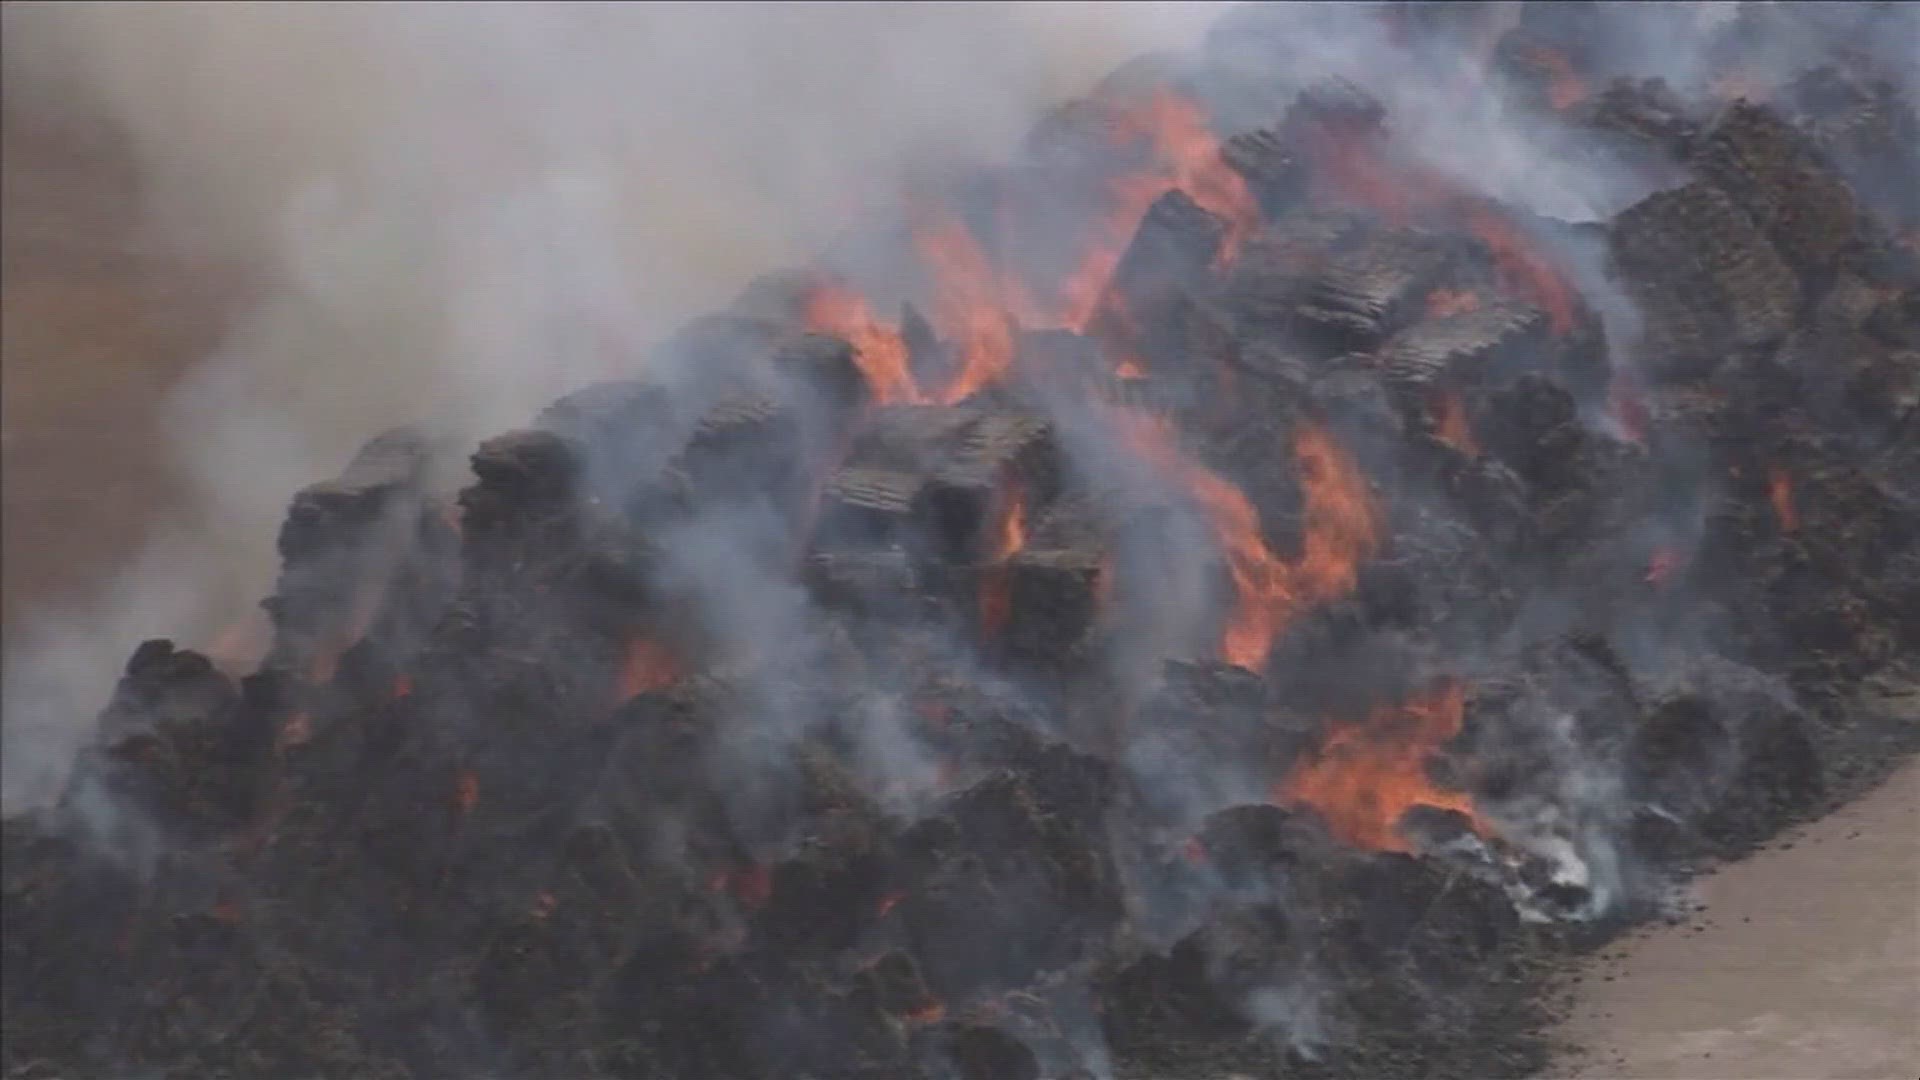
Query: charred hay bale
x,y
1479,346
1863,125
1275,174
1276,265
987,1053
1708,281
999,889
1645,122
1171,250
1257,846
1365,293
1053,596
1724,753
171,748
1774,174
339,541
826,367
1520,421
525,479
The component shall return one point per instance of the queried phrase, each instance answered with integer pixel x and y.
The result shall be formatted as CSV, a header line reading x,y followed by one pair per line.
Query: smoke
x,y
459,212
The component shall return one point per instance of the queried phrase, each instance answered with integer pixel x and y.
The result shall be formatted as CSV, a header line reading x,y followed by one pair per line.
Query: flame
x,y
1442,303
646,667
889,902
878,349
1451,425
1269,593
466,791
1565,87
1184,143
1130,369
1780,494
1365,776
1522,269
402,686
969,307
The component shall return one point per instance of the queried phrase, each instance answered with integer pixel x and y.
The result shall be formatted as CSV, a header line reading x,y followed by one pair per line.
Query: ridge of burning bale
x,y
1533,622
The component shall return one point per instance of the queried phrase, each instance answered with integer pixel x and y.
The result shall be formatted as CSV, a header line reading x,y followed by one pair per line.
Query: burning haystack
x,y
1170,606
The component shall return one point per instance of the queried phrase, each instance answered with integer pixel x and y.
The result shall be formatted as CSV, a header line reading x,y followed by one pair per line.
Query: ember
x,y
1780,494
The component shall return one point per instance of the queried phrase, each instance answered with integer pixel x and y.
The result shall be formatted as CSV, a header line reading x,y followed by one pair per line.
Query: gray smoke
x,y
459,212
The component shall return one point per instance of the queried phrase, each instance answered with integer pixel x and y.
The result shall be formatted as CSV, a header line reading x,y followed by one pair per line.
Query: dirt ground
x,y
1804,962
1801,963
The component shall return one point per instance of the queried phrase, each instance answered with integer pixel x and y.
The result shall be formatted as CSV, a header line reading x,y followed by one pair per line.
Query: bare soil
x,y
1800,963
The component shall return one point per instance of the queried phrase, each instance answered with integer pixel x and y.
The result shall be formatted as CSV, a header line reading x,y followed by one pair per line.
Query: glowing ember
x,y
889,902
1444,302
1451,425
1268,593
466,792
931,1013
1661,565
297,730
402,686
1366,776
1627,408
750,885
1780,494
1130,369
1194,851
877,348
239,648
1565,88
645,667
544,905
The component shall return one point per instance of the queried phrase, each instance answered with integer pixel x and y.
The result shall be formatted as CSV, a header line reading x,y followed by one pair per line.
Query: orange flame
x,y
1010,535
1365,776
969,304
1340,531
1181,152
878,349
1451,425
1442,303
1780,493
466,791
646,667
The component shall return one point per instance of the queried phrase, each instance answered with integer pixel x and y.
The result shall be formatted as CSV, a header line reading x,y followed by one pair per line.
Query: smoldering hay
x,y
1330,523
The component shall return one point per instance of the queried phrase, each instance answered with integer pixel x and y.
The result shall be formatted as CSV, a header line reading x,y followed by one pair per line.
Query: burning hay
x,y
1256,629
